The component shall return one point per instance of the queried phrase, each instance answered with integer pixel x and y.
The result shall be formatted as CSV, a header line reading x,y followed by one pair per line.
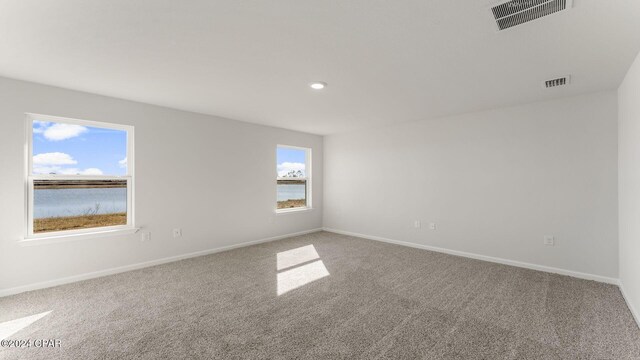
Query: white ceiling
x,y
385,61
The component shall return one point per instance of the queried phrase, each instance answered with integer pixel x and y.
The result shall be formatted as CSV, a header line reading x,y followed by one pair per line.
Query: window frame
x,y
308,179
29,178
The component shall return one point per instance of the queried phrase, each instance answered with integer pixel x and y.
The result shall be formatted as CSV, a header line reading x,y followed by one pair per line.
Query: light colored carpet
x,y
334,297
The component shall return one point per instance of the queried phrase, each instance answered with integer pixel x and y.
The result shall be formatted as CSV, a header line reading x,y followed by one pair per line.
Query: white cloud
x,y
65,171
57,132
40,126
68,171
76,171
91,171
285,167
52,163
46,169
123,163
54,158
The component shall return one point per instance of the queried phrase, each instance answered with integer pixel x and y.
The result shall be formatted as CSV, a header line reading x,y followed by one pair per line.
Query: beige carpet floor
x,y
327,296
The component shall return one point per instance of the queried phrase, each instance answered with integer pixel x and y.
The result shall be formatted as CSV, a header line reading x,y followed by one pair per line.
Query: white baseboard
x,y
635,313
576,274
116,270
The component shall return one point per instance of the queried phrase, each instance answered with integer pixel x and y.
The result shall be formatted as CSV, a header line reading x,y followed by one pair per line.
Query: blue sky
x,y
73,149
290,159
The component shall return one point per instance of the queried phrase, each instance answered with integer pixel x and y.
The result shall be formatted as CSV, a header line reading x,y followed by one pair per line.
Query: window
x,y
79,176
294,178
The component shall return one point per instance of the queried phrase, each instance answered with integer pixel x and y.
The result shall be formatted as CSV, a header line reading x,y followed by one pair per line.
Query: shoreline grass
x,y
78,222
78,184
293,203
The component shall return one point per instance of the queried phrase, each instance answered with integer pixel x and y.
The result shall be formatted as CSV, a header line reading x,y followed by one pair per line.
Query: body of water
x,y
75,202
291,192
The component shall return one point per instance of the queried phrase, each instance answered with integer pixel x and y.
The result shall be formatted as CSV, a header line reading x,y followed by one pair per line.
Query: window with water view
x,y
293,181
79,175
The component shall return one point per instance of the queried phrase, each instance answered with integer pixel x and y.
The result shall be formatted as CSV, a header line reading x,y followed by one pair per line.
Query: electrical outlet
x,y
177,233
417,224
146,236
432,226
549,240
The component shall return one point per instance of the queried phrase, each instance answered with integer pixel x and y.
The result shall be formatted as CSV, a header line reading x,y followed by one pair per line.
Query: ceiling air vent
x,y
516,12
561,81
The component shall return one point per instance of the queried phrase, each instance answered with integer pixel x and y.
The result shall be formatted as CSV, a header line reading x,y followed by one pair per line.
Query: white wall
x,y
494,182
629,185
212,177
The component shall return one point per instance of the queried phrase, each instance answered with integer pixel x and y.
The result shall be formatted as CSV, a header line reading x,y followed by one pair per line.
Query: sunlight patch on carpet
x,y
302,275
11,327
297,256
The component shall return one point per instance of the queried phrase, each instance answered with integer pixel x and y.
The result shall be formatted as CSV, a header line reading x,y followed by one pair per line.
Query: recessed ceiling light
x,y
318,85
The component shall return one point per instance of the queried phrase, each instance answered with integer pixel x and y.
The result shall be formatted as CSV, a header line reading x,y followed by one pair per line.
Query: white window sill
x,y
293,210
58,238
